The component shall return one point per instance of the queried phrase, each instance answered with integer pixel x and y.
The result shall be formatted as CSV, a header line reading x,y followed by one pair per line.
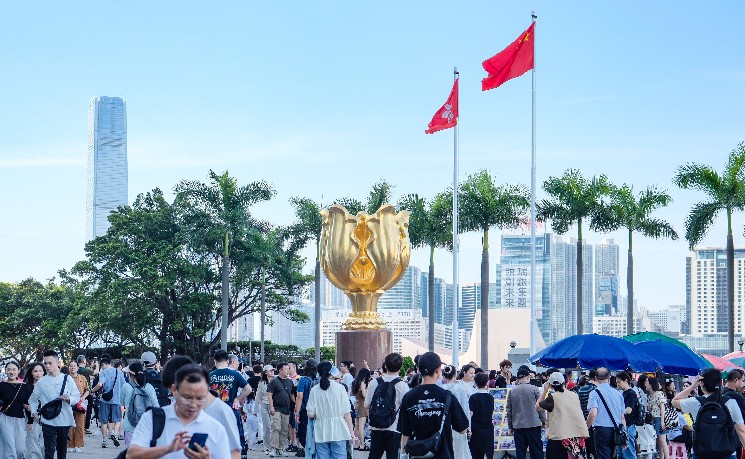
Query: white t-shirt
x,y
401,389
692,405
217,438
222,413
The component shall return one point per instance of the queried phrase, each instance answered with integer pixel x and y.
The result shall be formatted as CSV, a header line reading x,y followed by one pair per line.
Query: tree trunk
x,y
730,285
225,294
580,322
630,293
263,314
317,310
431,301
485,302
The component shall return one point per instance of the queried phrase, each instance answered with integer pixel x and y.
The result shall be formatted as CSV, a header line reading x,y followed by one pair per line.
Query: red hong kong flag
x,y
511,62
447,116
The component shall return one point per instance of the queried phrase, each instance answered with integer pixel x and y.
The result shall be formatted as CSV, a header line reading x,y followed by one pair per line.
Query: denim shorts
x,y
109,412
658,427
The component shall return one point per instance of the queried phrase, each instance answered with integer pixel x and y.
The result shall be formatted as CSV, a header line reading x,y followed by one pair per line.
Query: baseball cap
x,y
556,379
148,358
267,368
523,373
429,362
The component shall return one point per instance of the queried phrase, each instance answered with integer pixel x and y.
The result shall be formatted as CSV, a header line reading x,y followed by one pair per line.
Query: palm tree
x,y
726,192
430,225
574,199
226,208
626,210
308,228
485,205
381,193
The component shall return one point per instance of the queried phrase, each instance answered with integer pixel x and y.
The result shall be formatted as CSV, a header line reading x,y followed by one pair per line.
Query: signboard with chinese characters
x,y
515,287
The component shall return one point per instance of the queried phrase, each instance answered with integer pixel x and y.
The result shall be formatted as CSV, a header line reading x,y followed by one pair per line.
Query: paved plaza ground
x,y
93,450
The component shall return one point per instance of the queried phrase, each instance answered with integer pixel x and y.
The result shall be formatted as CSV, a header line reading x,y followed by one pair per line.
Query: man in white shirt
x,y
184,418
387,440
48,389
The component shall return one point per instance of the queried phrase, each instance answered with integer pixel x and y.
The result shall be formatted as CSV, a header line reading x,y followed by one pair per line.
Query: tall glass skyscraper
x,y
107,162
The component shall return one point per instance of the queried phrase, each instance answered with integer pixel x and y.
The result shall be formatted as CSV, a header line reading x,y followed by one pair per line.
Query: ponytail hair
x,y
138,371
324,371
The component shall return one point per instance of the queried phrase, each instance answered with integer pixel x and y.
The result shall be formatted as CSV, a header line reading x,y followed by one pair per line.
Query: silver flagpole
x,y
456,289
533,337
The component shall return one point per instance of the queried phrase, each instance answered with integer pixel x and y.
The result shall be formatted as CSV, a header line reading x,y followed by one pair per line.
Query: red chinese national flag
x,y
447,116
511,62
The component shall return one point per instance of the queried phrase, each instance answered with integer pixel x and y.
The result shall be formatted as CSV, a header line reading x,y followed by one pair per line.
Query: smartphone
x,y
197,439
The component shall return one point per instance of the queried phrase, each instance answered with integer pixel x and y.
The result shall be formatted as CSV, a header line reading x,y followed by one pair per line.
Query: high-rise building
x,y
513,277
686,326
606,278
440,298
407,293
707,291
564,288
107,162
331,297
669,319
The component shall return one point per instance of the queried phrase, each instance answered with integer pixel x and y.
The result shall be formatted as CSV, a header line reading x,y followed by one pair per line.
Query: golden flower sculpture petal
x,y
364,255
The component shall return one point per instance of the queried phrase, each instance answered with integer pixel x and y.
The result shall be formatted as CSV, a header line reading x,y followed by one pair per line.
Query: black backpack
x,y
159,423
714,435
382,411
153,378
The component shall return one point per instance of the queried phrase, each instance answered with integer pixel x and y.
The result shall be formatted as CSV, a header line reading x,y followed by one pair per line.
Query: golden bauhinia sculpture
x,y
364,255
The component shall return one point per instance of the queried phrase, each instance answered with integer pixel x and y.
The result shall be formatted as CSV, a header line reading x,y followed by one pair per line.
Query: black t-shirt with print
x,y
420,416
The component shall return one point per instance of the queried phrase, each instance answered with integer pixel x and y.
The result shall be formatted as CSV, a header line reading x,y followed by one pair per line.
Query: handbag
x,y
51,410
428,447
671,416
109,394
621,440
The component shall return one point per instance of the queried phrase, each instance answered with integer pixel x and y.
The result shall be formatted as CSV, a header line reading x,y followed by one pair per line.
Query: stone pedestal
x,y
361,345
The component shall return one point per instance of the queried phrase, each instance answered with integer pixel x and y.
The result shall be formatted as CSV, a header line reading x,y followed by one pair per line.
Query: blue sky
x,y
324,98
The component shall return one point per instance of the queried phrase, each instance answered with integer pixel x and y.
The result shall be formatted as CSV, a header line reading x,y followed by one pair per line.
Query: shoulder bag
x,y
108,395
51,410
428,447
621,440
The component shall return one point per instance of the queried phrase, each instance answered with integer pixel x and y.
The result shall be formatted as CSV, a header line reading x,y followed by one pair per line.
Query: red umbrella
x,y
719,363
738,357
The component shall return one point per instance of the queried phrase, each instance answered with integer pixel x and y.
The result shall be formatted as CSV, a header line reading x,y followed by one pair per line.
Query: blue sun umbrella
x,y
593,351
674,358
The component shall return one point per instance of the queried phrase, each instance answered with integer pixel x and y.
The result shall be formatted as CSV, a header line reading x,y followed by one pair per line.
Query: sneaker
x,y
273,453
104,445
114,440
71,450
88,432
78,450
121,437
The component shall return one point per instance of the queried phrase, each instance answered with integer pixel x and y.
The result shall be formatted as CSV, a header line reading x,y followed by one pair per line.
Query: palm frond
x,y
699,221
657,229
699,177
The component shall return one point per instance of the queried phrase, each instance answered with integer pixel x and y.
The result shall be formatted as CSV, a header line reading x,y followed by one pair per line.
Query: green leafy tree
x,y
144,281
634,212
725,192
32,318
430,226
485,205
574,200
225,209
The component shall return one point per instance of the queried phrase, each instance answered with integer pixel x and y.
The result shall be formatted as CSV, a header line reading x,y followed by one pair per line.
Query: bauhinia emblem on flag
x,y
511,62
447,116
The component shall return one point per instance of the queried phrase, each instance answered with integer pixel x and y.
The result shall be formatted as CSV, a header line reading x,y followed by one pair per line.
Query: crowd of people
x,y
321,410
